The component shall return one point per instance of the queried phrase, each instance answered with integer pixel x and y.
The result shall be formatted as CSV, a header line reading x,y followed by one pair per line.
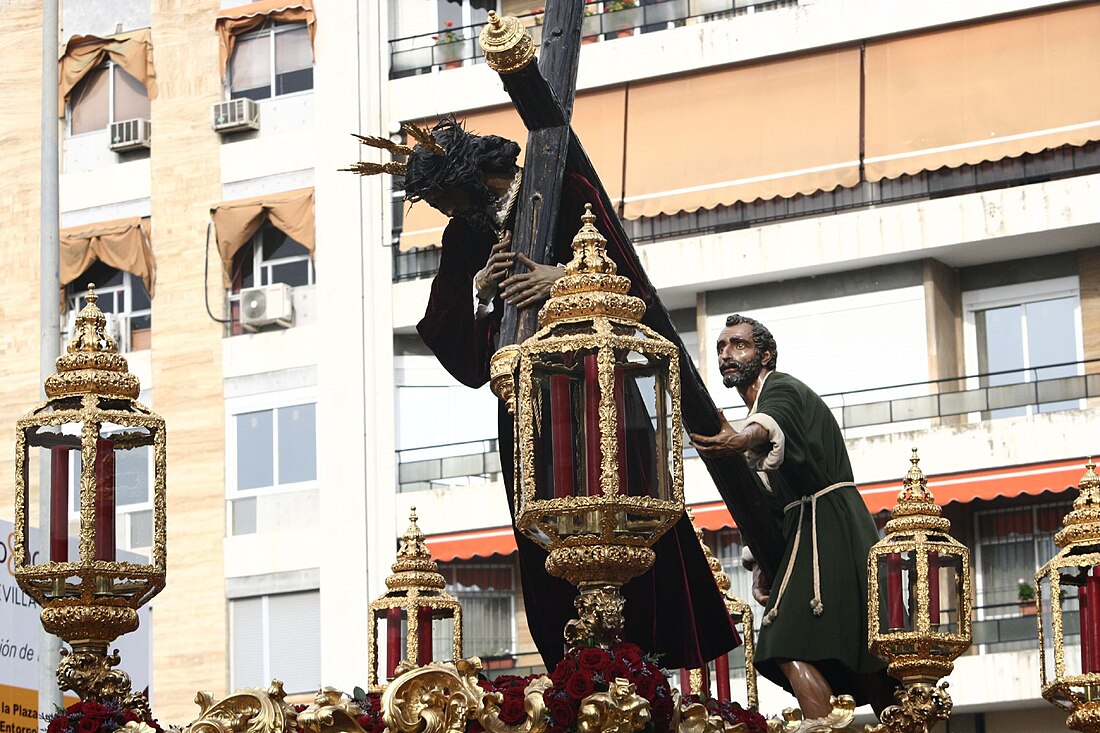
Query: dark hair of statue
x,y
761,337
467,160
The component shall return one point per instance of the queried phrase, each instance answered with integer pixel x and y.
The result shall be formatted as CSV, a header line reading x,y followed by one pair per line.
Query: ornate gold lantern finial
x,y
1071,582
593,491
417,601
507,45
91,415
919,604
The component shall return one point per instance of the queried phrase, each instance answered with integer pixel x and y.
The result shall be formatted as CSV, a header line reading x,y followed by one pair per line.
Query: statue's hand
x,y
529,288
727,441
488,279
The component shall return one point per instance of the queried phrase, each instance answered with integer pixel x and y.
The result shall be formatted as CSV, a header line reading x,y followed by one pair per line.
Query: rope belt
x,y
815,604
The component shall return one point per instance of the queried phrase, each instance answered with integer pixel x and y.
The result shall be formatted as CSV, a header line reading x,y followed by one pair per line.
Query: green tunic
x,y
807,454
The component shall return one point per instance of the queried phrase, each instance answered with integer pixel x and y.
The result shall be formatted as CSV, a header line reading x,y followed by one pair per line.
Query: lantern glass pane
x,y
646,410
944,592
53,532
564,417
391,630
897,582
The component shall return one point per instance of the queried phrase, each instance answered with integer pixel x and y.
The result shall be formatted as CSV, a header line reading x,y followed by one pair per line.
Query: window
x,y
272,450
122,297
487,591
107,94
1021,334
1013,544
277,59
276,636
272,257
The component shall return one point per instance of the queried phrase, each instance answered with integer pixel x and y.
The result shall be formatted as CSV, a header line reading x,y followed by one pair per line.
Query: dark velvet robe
x,y
674,609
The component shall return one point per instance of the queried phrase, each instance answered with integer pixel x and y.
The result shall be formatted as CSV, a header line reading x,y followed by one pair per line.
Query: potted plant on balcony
x,y
1025,594
449,46
621,17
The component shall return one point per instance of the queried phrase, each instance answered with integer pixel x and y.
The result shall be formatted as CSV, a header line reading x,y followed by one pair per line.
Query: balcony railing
x,y
895,408
1064,162
453,47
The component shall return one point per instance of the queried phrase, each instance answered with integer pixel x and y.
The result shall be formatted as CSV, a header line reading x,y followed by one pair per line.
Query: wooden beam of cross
x,y
543,95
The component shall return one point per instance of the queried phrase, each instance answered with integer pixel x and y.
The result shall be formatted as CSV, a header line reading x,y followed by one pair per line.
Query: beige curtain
x,y
775,128
598,119
232,22
133,51
235,222
122,244
982,92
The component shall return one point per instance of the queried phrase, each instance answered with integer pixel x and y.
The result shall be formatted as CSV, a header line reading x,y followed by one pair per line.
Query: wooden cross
x,y
543,95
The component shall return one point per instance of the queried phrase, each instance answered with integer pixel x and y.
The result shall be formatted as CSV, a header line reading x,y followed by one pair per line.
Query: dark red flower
x,y
661,708
60,724
89,724
646,686
563,711
563,671
617,669
512,711
580,684
594,659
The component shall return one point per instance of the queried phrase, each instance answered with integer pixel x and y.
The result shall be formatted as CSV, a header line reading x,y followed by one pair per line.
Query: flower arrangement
x,y
95,717
583,671
732,713
612,5
448,35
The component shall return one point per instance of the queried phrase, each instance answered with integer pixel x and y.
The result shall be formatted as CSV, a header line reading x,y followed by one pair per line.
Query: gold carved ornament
x,y
1075,688
921,655
89,601
600,538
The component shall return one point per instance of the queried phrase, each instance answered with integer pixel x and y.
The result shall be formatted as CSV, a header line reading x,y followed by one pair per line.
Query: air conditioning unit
x,y
271,305
130,135
236,115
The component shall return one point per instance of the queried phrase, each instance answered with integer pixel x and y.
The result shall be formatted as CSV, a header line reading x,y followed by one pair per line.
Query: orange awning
x,y
474,543
1028,480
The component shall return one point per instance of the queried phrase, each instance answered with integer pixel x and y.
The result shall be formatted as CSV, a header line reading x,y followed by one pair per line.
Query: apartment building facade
x,y
907,191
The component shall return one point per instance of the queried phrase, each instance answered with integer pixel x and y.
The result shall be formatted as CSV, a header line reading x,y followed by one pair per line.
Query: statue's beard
x,y
743,374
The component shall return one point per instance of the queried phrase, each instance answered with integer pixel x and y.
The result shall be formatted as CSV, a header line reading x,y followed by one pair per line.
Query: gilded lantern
x,y
1068,605
414,611
596,401
918,588
89,448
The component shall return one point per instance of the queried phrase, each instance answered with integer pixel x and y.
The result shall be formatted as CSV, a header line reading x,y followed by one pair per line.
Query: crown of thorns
x,y
425,138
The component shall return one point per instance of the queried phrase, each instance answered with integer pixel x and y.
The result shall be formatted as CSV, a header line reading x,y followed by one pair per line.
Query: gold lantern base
x,y
89,671
1085,718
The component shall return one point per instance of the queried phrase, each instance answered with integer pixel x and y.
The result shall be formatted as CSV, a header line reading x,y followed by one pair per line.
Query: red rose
x,y
60,724
617,669
563,711
594,659
88,724
563,671
512,711
580,685
662,711
646,686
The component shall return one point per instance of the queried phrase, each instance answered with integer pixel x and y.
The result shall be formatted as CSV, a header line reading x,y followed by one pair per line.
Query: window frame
x,y
270,401
508,563
109,65
255,249
1001,296
269,29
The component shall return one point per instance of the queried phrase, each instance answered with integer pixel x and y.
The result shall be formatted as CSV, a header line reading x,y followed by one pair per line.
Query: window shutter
x,y
294,641
247,663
